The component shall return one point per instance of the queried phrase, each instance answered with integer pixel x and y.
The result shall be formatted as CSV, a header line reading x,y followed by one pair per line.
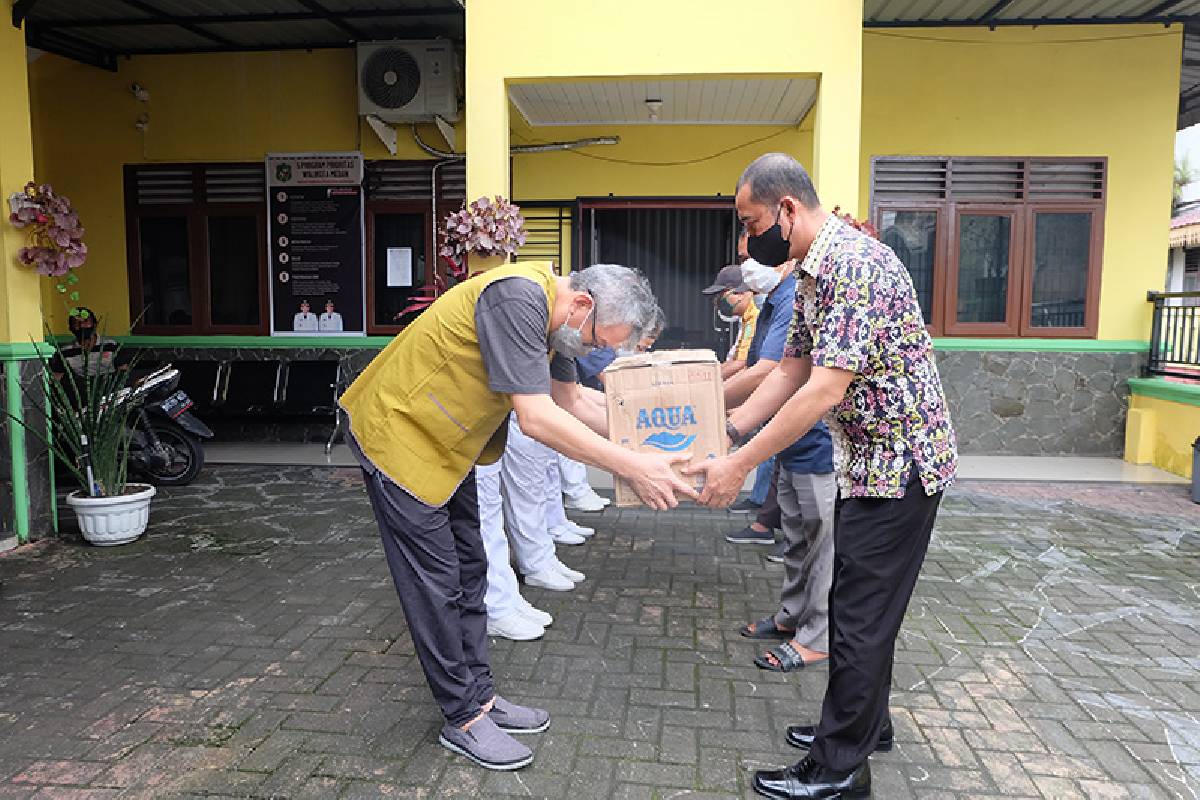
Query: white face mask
x,y
760,278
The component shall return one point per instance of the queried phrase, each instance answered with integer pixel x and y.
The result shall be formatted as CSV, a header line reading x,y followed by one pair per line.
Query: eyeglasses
x,y
594,342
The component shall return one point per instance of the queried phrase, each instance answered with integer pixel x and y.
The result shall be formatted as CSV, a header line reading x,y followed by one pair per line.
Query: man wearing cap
x,y
801,500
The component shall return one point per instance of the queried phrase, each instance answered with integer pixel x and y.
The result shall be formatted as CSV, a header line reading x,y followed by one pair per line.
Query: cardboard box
x,y
668,401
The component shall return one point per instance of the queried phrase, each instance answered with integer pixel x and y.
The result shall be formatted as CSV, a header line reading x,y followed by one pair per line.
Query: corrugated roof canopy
x,y
97,31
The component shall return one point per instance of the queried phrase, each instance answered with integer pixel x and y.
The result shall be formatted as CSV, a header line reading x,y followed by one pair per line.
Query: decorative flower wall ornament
x,y
54,232
487,227
861,224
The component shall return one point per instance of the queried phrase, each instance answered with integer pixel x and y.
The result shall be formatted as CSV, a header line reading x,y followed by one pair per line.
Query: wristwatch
x,y
732,432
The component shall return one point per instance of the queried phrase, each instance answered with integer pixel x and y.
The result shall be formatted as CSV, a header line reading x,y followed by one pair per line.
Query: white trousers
x,y
523,473
574,477
556,515
503,593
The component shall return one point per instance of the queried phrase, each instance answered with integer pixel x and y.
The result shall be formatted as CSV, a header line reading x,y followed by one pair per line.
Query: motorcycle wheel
x,y
187,457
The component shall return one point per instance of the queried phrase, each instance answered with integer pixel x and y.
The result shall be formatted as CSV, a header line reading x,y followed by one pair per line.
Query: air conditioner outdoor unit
x,y
407,81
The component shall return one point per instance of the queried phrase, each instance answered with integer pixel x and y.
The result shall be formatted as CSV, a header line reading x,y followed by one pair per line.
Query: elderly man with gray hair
x,y
432,405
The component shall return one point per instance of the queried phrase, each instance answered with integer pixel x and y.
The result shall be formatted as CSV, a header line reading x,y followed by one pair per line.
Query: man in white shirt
x,y
305,320
330,320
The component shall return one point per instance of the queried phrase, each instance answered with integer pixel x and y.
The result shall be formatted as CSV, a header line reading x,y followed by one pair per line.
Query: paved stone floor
x,y
252,646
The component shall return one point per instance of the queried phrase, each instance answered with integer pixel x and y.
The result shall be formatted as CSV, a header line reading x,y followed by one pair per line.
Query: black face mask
x,y
82,333
769,248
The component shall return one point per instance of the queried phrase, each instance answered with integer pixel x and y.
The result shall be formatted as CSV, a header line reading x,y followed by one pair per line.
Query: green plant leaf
x,y
74,296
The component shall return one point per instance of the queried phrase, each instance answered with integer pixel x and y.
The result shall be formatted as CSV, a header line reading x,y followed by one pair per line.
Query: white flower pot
x,y
107,521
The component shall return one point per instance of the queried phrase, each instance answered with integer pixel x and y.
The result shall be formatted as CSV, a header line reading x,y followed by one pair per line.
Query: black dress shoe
x,y
802,736
808,780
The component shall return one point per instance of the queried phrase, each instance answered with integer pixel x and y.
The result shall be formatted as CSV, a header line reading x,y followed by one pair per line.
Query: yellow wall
x,y
1056,91
1161,432
20,312
227,107
590,172
536,40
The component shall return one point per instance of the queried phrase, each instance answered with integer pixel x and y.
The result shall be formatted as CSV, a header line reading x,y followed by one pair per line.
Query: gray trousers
x,y
806,504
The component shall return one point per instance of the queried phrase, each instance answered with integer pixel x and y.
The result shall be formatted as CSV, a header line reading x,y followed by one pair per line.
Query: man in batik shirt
x,y
859,356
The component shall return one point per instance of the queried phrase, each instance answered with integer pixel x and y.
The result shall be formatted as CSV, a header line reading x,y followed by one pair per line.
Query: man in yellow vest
x,y
432,405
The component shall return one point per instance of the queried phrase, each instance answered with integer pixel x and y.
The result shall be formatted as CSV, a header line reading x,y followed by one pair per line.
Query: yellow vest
x,y
422,411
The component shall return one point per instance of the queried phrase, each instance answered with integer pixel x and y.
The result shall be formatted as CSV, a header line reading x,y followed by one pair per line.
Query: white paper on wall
x,y
399,266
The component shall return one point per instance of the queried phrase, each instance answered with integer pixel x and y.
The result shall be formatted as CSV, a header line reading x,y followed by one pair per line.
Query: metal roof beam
x,y
992,12
67,46
331,18
162,16
1162,19
20,11
1160,8
220,19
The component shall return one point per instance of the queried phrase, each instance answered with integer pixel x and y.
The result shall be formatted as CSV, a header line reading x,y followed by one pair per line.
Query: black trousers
x,y
439,567
878,548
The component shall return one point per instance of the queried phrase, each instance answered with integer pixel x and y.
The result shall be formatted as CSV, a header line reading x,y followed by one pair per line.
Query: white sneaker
x,y
567,572
516,626
550,578
579,530
564,535
587,502
536,614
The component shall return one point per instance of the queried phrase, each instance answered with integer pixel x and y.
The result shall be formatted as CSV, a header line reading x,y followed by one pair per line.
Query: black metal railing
x,y
1175,334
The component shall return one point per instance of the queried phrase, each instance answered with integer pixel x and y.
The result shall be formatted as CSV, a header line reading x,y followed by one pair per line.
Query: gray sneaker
x,y
512,718
486,745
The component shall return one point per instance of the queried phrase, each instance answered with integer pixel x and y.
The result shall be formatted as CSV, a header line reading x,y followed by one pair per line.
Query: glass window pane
x,y
393,231
983,253
913,237
166,282
1062,242
233,267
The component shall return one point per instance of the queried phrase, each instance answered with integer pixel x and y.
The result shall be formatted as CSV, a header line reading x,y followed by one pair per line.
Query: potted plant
x,y
487,227
89,408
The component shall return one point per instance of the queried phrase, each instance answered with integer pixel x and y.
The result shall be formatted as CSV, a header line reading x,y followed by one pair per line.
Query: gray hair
x,y
777,175
623,297
657,326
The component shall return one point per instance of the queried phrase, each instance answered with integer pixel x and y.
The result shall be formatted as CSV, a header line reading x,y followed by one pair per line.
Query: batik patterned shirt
x,y
856,310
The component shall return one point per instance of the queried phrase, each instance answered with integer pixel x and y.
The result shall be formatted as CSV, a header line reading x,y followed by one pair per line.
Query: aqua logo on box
x,y
665,421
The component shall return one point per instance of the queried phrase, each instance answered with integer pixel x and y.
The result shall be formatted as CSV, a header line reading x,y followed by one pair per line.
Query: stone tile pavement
x,y
251,646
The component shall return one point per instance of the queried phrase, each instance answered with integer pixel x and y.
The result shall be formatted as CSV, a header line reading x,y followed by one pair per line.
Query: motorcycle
x,y
166,443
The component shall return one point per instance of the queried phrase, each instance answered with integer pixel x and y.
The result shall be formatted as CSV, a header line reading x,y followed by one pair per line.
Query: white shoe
x,y
579,530
550,578
567,572
536,614
587,502
564,535
516,626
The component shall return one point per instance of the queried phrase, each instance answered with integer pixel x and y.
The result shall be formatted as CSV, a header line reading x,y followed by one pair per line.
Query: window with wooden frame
x,y
196,248
401,216
996,246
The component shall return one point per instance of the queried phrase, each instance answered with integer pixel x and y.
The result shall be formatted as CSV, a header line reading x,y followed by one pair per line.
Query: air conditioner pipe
x,y
449,158
548,147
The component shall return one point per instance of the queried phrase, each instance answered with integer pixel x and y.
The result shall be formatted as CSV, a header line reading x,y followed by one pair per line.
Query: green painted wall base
x,y
1163,389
